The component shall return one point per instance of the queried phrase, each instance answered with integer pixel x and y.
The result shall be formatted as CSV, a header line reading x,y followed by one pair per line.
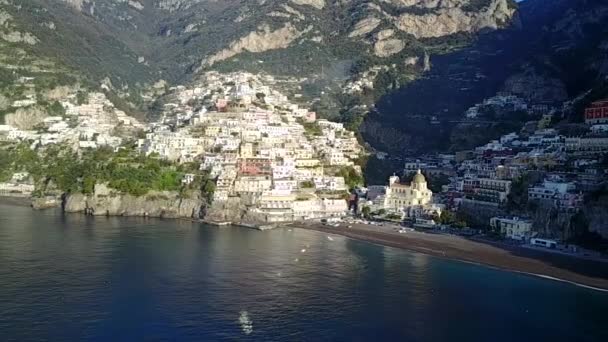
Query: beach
x,y
584,272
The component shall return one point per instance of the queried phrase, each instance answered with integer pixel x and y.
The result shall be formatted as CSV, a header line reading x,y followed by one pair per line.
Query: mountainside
x,y
136,42
435,58
553,53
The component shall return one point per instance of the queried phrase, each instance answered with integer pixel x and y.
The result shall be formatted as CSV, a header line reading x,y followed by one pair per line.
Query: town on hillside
x,y
535,186
273,161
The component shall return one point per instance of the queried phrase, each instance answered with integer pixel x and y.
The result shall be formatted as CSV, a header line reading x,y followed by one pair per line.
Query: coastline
x,y
586,273
17,201
581,272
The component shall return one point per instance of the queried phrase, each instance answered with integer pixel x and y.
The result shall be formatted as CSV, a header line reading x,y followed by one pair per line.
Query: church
x,y
401,196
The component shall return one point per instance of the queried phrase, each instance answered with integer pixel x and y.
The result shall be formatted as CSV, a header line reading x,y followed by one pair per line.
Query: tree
x,y
82,98
446,217
394,217
366,210
56,109
352,178
307,184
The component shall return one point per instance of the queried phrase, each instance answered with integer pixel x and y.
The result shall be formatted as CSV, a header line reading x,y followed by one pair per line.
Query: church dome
x,y
419,178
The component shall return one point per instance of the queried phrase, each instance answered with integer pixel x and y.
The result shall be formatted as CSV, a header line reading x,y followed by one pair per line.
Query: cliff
x,y
106,202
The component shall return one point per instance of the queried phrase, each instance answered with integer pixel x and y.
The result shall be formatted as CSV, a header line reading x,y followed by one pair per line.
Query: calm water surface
x,y
68,278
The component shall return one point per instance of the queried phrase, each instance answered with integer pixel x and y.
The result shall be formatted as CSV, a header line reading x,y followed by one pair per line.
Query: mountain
x,y
554,52
134,43
423,63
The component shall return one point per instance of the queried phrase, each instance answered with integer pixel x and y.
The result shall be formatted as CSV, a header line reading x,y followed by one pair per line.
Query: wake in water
x,y
246,323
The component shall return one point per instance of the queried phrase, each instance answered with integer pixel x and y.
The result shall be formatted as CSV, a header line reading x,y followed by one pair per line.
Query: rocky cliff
x,y
106,202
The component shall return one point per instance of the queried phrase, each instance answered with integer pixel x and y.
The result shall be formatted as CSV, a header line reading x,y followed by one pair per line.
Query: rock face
x,y
77,4
19,37
232,211
318,4
365,26
385,48
105,202
25,118
596,214
46,202
449,17
258,41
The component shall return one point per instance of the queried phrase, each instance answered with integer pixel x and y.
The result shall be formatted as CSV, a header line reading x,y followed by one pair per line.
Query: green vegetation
x,y
366,211
449,218
380,212
82,98
307,184
393,217
311,128
126,171
476,5
518,196
352,178
436,182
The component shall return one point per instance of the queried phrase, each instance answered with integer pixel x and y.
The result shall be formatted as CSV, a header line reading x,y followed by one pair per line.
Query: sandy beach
x,y
591,273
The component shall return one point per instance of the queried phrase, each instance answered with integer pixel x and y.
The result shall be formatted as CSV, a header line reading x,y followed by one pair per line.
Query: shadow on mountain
x,y
421,116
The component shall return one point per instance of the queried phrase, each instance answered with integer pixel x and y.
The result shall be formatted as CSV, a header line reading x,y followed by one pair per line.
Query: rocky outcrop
x,y
318,4
25,118
384,34
10,34
364,27
449,17
385,48
76,4
258,41
106,202
19,37
549,222
48,202
232,210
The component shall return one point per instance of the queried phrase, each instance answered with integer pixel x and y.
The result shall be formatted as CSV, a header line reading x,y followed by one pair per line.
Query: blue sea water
x,y
75,278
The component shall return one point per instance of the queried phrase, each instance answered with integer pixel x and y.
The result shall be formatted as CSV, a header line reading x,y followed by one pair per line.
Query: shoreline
x,y
591,274
17,201
585,273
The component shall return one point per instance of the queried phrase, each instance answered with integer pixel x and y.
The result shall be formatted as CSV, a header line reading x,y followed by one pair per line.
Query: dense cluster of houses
x,y
265,151
272,155
88,125
556,171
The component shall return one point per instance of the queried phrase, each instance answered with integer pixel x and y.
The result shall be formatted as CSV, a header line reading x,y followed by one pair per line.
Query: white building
x,y
512,228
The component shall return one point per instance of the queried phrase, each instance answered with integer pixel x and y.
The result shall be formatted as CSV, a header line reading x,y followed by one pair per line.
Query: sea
x,y
68,277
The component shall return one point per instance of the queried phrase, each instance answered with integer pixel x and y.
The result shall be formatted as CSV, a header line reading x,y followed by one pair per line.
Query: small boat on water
x,y
246,323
